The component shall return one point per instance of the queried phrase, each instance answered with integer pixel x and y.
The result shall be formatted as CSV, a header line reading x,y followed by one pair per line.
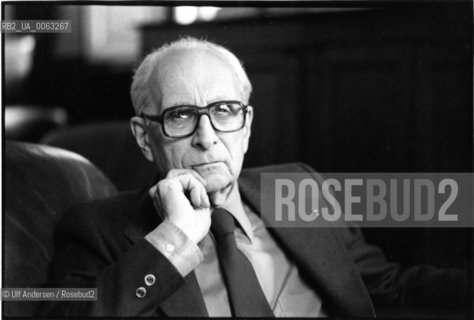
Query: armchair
x,y
40,183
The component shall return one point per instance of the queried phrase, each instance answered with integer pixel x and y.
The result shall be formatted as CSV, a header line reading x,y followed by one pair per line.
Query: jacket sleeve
x,y
390,285
416,287
86,257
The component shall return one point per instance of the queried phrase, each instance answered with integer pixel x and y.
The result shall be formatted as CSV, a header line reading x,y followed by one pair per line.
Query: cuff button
x,y
169,247
150,279
141,292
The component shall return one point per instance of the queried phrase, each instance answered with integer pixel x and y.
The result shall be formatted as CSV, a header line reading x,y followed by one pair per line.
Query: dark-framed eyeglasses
x,y
182,121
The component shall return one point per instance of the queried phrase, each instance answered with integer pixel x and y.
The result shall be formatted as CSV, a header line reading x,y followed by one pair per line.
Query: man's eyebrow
x,y
178,104
210,101
220,98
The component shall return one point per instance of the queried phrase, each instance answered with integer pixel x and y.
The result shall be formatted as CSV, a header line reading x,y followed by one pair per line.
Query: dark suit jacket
x,y
101,245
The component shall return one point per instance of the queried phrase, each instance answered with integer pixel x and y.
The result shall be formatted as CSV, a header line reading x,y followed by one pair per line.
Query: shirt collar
x,y
240,214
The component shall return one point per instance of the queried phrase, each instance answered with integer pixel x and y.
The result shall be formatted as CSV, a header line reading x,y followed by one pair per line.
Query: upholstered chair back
x,y
40,183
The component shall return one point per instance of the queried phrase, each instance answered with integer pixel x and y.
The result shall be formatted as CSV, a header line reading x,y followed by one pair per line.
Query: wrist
x,y
174,244
190,231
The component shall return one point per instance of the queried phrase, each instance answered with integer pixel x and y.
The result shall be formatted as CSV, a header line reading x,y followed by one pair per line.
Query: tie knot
x,y
222,223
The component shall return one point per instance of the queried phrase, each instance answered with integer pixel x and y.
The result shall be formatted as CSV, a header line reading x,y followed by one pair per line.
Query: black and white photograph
x,y
195,159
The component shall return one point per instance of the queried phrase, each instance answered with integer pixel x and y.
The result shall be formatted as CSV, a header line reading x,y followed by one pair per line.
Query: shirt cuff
x,y
173,243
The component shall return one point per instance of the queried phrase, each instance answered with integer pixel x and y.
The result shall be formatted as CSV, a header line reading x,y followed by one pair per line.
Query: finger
x,y
205,199
178,172
152,191
195,195
195,188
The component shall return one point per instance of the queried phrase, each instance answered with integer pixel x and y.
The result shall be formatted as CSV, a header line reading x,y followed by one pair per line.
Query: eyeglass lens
x,y
224,117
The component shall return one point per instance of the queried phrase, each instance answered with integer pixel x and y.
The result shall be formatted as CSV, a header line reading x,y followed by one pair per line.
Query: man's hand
x,y
182,197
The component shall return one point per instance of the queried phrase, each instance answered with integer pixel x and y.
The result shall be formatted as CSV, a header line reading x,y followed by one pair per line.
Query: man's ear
x,y
247,128
137,124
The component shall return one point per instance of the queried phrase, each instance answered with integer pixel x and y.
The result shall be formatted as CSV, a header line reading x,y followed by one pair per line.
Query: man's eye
x,y
180,115
223,109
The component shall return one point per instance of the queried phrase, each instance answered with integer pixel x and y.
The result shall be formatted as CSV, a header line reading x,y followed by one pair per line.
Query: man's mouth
x,y
204,164
206,168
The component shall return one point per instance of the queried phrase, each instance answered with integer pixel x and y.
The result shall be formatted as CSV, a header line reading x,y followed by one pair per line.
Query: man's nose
x,y
205,136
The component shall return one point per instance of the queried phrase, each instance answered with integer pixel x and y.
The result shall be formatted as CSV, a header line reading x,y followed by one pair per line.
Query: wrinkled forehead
x,y
192,75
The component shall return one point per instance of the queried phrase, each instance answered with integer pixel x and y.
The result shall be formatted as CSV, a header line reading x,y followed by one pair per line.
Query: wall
x,y
336,90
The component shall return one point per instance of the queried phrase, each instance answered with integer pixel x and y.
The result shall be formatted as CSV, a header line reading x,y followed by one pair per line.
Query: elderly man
x,y
194,243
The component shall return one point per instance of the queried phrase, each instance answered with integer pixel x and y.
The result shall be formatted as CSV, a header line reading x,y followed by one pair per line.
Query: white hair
x,y
141,89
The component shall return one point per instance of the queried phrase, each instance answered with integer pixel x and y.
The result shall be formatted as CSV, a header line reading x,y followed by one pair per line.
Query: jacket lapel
x,y
187,301
319,255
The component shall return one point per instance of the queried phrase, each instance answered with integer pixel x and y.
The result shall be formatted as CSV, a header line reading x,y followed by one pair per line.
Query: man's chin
x,y
216,182
217,176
